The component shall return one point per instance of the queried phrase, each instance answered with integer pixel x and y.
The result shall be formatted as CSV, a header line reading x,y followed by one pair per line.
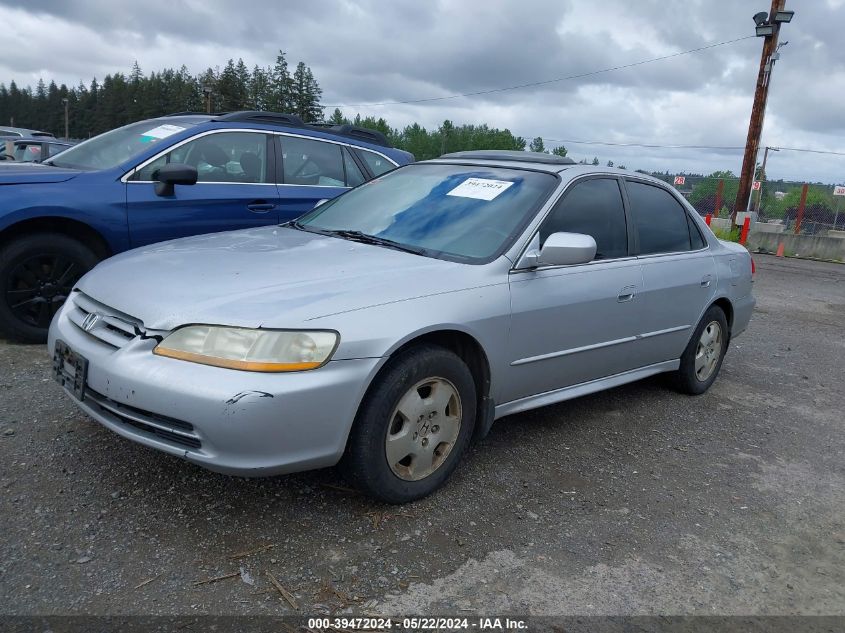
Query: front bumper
x,y
234,422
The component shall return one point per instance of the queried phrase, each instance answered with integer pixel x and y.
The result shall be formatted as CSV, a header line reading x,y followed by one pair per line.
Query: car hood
x,y
12,173
270,277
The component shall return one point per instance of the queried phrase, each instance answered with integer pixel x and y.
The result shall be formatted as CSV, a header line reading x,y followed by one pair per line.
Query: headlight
x,y
248,349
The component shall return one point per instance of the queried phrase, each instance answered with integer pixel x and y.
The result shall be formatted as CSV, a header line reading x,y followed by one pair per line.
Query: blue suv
x,y
161,179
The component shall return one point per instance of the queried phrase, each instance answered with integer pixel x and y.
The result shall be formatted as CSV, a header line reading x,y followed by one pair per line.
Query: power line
x,y
545,82
646,145
812,151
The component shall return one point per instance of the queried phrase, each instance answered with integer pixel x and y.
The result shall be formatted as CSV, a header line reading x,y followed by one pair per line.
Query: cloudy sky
x,y
368,52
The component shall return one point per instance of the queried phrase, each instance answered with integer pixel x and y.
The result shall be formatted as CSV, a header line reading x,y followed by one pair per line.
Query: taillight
x,y
753,268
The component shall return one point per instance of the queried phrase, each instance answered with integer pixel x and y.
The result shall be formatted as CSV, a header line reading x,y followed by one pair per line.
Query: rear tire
x,y
413,427
702,359
37,273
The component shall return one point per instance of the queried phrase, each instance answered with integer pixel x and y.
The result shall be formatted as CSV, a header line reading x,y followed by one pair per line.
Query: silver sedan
x,y
389,327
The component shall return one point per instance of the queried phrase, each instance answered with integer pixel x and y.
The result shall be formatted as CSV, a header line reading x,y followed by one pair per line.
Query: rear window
x,y
378,164
660,220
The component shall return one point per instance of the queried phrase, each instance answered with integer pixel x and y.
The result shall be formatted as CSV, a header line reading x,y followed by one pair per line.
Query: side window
x,y
377,164
696,239
660,220
593,207
238,157
354,177
310,162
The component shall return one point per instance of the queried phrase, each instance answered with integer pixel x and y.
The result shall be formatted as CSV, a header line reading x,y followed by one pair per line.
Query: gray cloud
x,y
395,50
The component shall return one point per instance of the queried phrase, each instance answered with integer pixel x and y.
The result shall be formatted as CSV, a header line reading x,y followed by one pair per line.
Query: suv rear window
x,y
377,164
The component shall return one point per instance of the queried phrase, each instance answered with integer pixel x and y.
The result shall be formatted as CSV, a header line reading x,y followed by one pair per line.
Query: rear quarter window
x,y
660,221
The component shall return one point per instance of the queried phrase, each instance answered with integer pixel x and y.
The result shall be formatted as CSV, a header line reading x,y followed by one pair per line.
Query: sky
x,y
369,52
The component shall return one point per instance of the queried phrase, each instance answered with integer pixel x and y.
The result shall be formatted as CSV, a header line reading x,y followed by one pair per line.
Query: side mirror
x,y
564,249
174,174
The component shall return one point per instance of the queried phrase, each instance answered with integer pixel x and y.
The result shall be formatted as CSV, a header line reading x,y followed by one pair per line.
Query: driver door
x,y
235,189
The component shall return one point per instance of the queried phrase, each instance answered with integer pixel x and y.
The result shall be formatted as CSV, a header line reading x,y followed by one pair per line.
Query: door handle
x,y
260,206
705,281
626,294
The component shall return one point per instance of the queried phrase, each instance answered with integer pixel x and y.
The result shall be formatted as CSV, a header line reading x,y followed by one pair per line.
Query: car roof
x,y
24,132
43,139
537,161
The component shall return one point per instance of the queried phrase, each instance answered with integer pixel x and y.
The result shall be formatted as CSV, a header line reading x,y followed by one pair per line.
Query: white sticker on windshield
x,y
480,188
162,131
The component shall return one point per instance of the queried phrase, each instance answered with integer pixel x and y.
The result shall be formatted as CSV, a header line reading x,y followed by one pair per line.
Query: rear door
x,y
235,189
573,324
311,170
679,274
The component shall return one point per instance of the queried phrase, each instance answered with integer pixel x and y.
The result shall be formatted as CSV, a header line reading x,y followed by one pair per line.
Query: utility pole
x,y
67,120
763,176
768,29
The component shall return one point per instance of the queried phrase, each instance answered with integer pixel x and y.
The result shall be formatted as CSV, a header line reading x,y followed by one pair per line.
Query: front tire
x,y
413,426
37,273
702,359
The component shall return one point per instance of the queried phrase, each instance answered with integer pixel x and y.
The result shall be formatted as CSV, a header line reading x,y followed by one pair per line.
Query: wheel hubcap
x,y
423,429
37,287
708,351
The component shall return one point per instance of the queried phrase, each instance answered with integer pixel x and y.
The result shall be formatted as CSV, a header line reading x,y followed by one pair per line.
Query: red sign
x,y
756,185
679,180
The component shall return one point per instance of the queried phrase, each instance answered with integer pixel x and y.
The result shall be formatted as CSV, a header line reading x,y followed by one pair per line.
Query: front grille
x,y
160,427
112,327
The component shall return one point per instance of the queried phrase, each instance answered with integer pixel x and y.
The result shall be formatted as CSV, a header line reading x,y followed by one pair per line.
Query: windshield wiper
x,y
294,224
366,238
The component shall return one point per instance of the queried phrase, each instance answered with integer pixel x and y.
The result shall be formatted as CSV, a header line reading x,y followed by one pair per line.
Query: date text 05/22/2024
x,y
419,624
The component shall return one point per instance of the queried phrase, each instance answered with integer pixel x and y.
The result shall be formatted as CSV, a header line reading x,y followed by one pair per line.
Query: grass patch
x,y
727,234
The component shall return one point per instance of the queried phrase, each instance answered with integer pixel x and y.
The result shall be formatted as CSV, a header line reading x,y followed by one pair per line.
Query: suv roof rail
x,y
257,116
192,113
362,133
507,154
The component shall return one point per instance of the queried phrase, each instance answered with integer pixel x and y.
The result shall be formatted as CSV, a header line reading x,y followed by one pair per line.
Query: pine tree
x,y
537,145
306,94
560,150
281,85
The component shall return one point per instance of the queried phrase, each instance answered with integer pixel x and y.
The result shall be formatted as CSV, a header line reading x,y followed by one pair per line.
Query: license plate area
x,y
70,370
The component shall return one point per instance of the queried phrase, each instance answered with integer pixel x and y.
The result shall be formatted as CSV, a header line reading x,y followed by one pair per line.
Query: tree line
x,y
123,98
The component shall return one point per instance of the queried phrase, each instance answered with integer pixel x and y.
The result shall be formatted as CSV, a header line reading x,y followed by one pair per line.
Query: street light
x,y
783,16
208,91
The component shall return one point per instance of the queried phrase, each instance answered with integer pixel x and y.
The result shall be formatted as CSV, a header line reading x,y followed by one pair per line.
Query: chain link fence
x,y
777,206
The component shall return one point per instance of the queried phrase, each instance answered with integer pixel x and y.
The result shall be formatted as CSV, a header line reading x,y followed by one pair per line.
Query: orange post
x,y
707,218
743,237
801,206
780,250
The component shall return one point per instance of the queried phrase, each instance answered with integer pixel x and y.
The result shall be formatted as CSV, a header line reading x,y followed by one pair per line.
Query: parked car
x,y
389,326
160,179
13,133
36,150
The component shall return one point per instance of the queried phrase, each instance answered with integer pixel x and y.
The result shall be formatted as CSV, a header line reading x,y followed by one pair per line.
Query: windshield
x,y
455,211
113,148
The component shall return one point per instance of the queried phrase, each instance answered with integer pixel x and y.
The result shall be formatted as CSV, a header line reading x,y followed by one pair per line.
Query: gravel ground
x,y
633,501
